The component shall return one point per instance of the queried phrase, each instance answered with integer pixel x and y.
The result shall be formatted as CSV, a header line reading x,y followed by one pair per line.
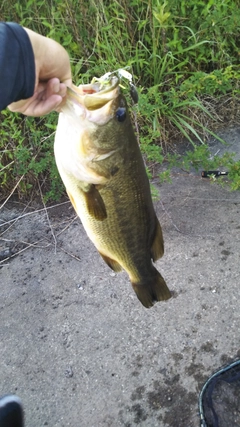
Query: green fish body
x,y
100,163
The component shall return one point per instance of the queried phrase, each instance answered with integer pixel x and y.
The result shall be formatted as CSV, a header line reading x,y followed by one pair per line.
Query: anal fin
x,y
114,265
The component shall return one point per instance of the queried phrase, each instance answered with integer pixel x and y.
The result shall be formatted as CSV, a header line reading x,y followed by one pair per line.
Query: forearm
x,y
17,64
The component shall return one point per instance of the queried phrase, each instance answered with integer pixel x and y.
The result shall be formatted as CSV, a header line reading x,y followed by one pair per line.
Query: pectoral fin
x,y
114,265
157,249
95,204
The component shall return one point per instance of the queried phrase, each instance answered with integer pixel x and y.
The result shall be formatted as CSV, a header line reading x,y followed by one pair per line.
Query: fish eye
x,y
121,114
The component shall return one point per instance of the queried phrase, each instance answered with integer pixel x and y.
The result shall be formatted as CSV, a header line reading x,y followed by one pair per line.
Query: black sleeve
x,y
17,66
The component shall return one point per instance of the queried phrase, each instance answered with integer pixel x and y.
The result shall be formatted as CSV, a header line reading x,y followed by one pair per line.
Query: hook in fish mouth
x,y
103,85
121,74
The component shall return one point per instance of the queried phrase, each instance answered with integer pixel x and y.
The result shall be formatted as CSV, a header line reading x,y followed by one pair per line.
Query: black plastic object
x,y
11,411
207,174
219,400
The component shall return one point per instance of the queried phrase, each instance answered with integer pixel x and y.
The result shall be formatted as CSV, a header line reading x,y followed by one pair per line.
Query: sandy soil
x,y
77,346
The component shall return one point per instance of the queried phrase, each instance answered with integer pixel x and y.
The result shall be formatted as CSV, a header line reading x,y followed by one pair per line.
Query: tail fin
x,y
152,290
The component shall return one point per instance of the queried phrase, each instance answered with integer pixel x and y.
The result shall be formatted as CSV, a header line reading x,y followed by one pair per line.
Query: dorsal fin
x,y
157,249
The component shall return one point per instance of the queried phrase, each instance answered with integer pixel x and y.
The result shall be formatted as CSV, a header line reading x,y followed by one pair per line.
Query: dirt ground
x,y
78,347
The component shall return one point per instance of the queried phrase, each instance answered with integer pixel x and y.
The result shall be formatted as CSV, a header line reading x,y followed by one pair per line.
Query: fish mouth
x,y
95,95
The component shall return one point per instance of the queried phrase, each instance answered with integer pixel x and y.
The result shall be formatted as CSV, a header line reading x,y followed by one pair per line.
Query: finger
x,y
41,107
52,86
55,87
62,89
47,97
17,106
22,105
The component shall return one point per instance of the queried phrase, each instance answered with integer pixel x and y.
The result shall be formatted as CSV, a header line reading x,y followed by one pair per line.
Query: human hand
x,y
53,75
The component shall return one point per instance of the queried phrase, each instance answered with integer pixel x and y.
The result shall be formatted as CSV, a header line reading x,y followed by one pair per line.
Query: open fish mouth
x,y
101,90
94,95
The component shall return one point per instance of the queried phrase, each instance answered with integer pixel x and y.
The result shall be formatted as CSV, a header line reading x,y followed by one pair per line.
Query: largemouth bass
x,y
100,163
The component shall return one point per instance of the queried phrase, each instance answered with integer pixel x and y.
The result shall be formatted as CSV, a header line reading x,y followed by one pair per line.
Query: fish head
x,y
96,102
89,129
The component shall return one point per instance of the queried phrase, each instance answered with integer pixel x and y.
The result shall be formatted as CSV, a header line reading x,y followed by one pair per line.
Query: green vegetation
x,y
185,59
